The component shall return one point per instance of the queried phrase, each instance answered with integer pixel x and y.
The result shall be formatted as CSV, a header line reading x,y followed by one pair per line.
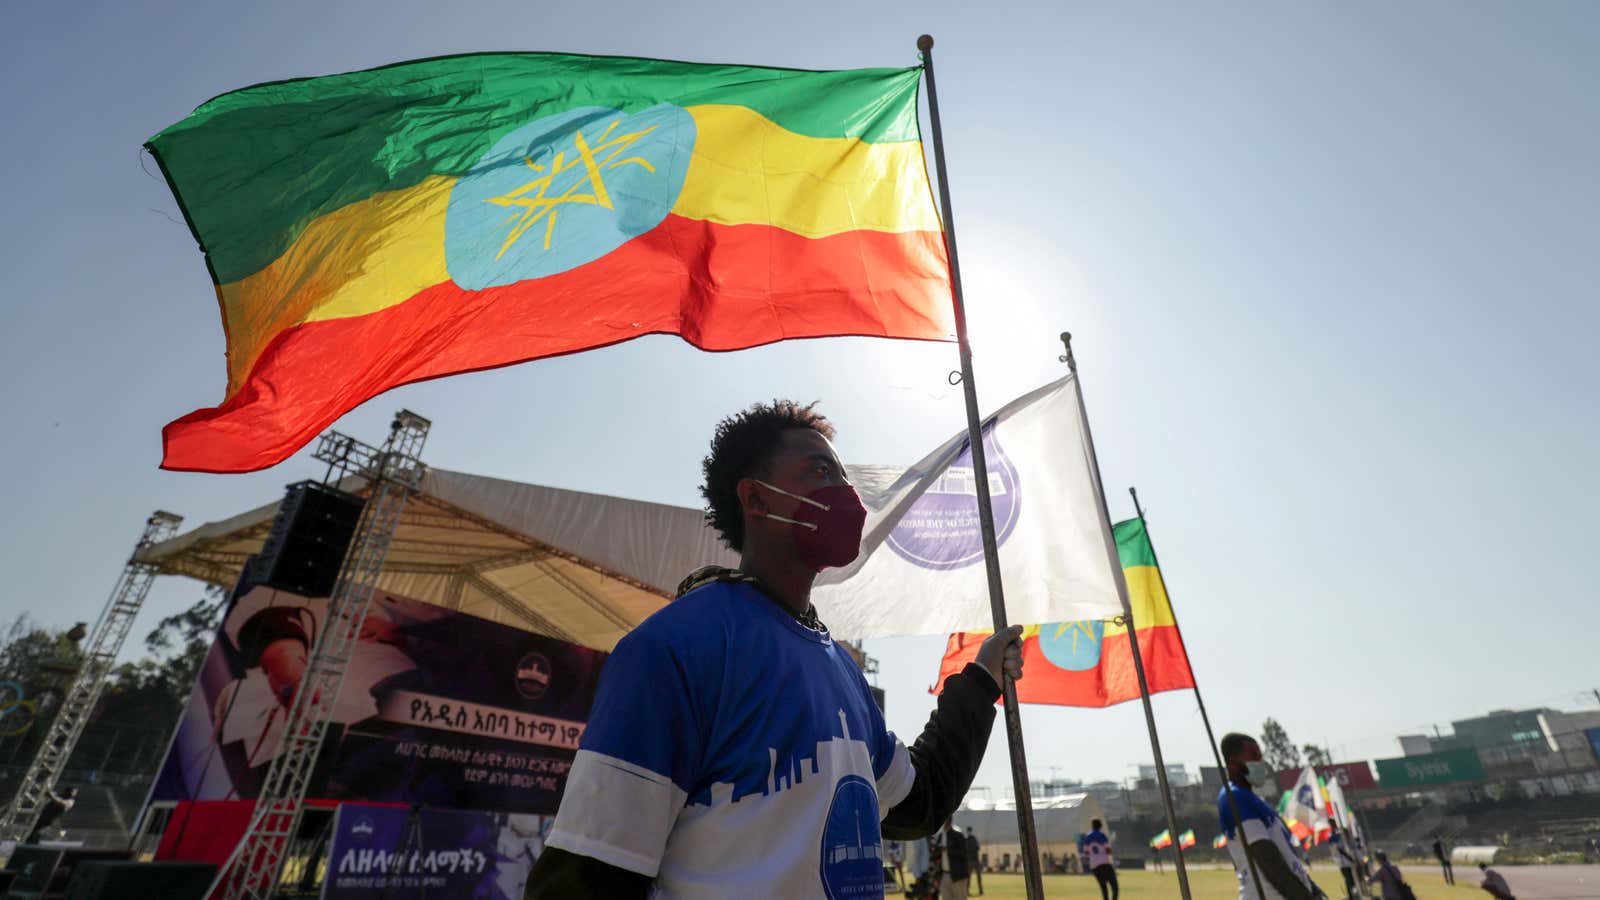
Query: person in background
x,y
1494,883
1261,836
1344,856
894,864
1391,881
55,806
957,871
1098,846
975,859
1440,851
919,861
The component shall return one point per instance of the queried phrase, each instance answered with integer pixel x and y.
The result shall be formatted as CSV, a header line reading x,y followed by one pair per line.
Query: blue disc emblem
x,y
852,846
565,190
1073,646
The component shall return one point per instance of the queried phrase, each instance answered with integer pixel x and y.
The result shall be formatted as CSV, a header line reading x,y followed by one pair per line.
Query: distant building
x,y
1177,774
1507,735
1527,744
1415,744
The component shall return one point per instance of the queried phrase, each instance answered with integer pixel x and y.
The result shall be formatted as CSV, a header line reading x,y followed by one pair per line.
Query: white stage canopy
x,y
580,567
1058,819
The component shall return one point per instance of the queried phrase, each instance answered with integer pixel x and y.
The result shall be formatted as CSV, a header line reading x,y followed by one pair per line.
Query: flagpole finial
x,y
1067,357
925,43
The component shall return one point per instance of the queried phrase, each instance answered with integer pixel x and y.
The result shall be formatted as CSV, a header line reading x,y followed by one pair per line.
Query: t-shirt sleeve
x,y
891,761
638,758
1257,815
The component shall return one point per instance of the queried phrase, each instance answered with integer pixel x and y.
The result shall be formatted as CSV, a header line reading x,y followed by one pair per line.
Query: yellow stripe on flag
x,y
1151,609
356,260
746,169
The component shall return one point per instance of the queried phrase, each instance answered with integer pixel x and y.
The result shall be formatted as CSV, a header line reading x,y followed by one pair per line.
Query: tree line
x,y
131,724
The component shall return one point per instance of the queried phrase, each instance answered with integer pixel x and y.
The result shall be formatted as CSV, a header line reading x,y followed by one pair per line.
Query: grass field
x,y
1207,884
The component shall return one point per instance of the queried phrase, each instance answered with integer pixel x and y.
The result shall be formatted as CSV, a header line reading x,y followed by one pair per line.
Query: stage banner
x,y
1430,768
396,853
437,708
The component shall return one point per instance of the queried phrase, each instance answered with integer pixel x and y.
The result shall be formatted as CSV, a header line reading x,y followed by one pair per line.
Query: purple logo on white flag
x,y
940,530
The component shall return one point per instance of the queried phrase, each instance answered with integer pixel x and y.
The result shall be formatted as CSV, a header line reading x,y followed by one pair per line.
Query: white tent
x,y
1059,819
581,567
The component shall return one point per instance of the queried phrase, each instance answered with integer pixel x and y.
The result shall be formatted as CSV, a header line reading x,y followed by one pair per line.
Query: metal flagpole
x,y
980,472
1127,617
1211,738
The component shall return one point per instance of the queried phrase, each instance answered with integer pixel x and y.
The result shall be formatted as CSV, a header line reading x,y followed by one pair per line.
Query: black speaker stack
x,y
129,880
310,534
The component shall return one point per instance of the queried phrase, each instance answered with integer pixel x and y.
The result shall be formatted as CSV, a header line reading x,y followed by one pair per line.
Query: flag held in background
x,y
1090,662
1219,842
921,568
1339,807
1164,839
1304,806
1186,840
377,228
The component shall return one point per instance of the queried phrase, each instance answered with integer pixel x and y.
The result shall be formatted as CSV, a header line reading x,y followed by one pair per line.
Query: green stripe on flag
x,y
258,164
1133,544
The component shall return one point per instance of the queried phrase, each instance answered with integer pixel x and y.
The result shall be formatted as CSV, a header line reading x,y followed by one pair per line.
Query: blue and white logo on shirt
x,y
852,851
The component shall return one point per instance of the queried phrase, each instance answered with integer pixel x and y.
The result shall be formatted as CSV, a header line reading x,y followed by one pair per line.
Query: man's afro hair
x,y
741,448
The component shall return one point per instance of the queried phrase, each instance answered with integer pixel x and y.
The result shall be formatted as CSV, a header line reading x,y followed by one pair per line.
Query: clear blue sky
x,y
1332,271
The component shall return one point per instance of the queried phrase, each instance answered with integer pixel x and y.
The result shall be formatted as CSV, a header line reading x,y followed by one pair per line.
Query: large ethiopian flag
x,y
377,228
1090,663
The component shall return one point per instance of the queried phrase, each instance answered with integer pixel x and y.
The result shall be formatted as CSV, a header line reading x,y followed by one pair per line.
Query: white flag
x,y
921,568
1305,802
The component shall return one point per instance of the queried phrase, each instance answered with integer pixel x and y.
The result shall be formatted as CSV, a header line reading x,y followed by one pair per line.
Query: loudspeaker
x,y
166,880
74,857
308,540
35,868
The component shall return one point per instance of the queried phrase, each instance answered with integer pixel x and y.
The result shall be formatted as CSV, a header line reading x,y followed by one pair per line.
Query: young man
x,y
975,860
1443,856
55,806
1392,883
957,872
1495,883
1344,856
734,749
1261,834
1098,847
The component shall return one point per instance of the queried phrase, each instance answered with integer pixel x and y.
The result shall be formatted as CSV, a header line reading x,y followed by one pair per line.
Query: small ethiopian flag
x,y
377,228
1186,840
1164,839
1219,842
1090,663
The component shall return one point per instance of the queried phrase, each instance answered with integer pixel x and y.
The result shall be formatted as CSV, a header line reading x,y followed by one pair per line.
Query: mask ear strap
x,y
791,521
822,506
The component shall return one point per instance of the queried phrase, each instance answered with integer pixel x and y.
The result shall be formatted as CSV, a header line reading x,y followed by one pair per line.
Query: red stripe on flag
x,y
720,287
1112,681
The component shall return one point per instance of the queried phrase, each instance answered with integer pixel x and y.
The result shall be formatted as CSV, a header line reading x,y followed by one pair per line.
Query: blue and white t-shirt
x,y
1098,847
1260,823
733,752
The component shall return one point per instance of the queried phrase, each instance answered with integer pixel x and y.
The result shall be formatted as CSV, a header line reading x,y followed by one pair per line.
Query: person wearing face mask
x,y
734,748
1264,837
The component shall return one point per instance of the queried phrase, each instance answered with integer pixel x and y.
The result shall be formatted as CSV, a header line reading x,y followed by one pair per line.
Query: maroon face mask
x,y
830,520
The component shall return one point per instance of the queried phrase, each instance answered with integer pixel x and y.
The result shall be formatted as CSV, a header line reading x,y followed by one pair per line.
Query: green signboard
x,y
1430,768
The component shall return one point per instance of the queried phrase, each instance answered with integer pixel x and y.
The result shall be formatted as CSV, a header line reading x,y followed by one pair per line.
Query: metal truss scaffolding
x,y
394,472
18,820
